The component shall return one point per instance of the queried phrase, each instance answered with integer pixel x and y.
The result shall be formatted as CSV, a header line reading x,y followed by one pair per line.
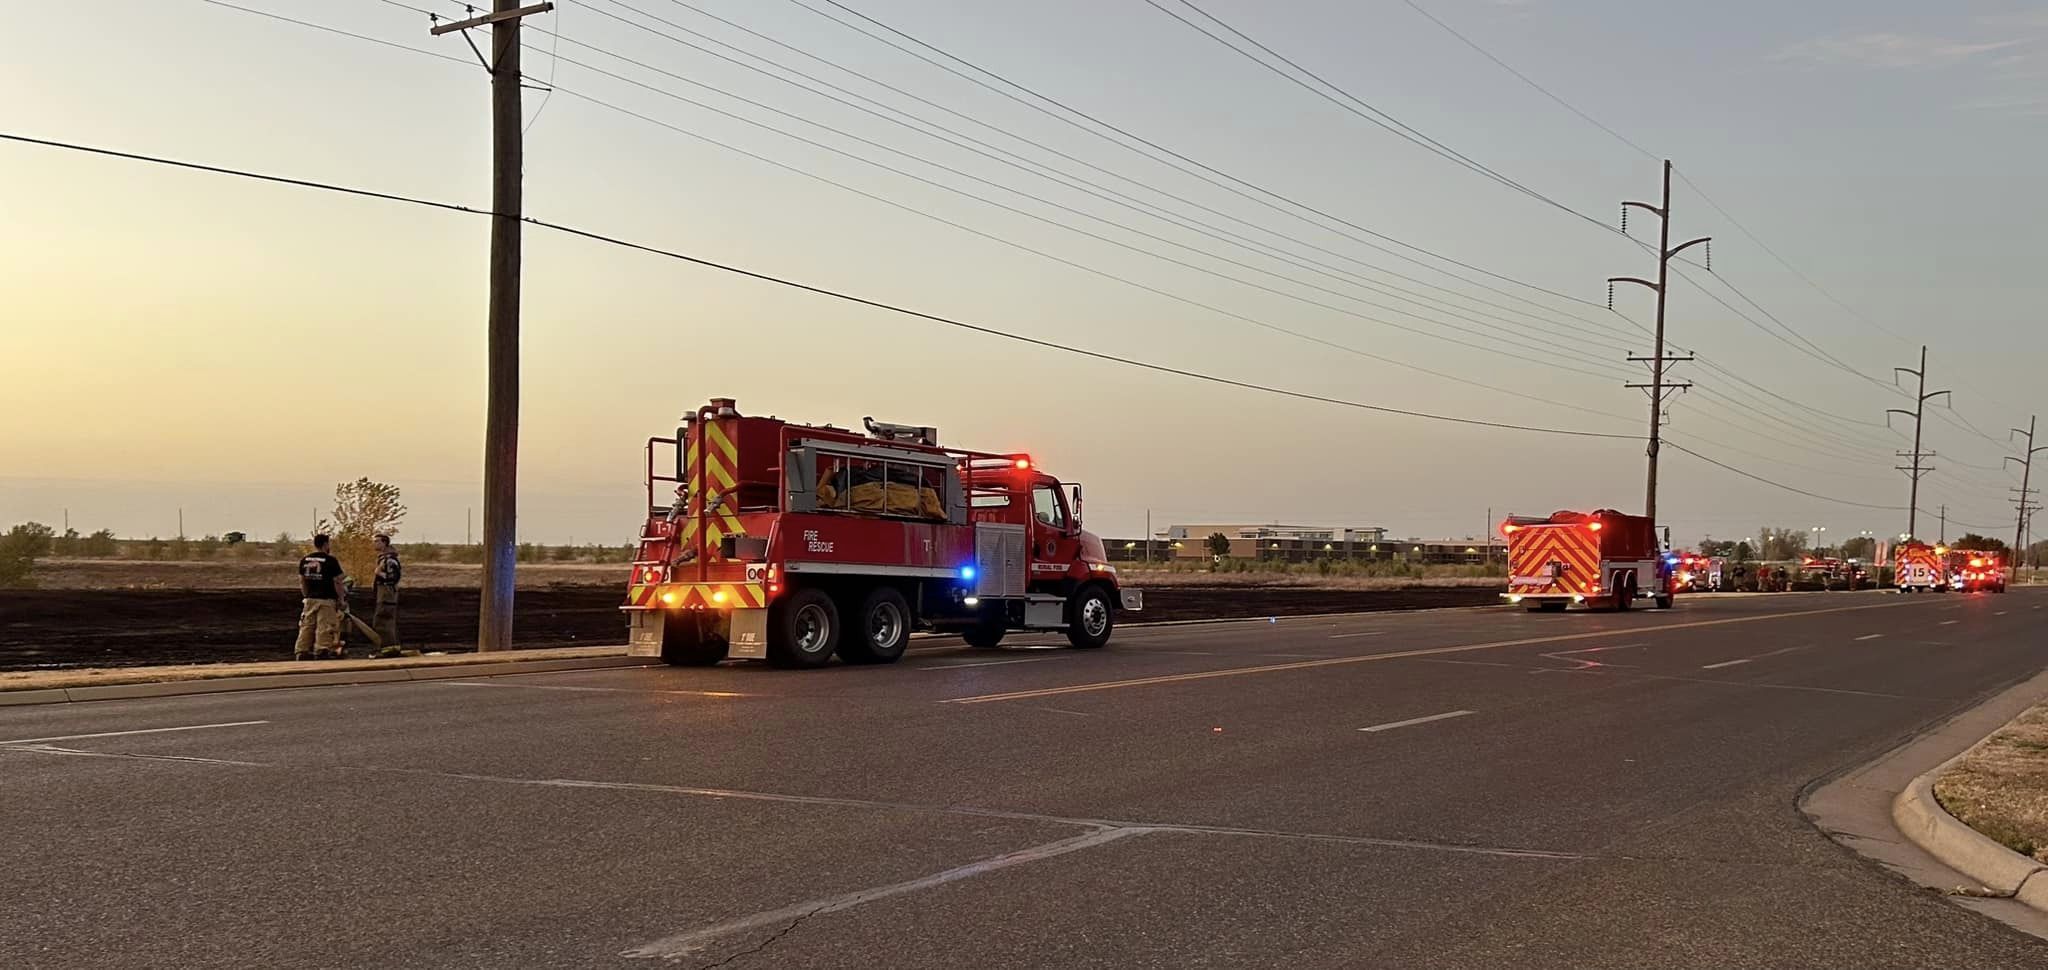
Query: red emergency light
x,y
1595,526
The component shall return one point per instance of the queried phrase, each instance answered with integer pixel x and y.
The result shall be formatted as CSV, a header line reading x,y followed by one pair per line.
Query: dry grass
x,y
1137,576
2001,787
140,574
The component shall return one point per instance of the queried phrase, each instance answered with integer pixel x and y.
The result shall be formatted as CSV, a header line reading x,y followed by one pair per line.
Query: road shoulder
x,y
1862,810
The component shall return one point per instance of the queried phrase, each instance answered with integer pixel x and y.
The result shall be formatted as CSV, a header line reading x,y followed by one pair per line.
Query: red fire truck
x,y
1919,568
1975,570
793,543
1601,559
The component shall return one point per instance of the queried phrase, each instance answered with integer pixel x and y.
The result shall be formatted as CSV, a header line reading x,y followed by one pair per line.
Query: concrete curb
x,y
2003,872
332,678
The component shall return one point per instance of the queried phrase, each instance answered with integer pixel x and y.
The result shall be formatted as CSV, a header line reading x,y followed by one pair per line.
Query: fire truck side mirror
x,y
1077,507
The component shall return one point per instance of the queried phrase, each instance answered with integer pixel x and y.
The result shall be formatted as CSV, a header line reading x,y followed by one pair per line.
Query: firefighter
x,y
323,589
385,583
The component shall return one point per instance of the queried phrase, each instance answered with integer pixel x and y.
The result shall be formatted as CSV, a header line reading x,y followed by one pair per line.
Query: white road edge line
x,y
1347,636
1873,636
1950,622
684,944
1726,663
1414,721
123,734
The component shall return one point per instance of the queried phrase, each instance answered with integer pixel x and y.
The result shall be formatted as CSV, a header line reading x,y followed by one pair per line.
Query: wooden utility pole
x,y
1657,387
1919,466
501,408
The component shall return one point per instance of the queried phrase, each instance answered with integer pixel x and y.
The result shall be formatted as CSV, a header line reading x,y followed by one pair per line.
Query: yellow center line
x,y
1396,655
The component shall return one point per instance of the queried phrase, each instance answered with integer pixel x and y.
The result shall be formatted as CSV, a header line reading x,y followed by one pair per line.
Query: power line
x,y
1239,186
1068,180
1781,485
809,288
914,210
1150,186
1503,65
1371,114
1484,348
1451,310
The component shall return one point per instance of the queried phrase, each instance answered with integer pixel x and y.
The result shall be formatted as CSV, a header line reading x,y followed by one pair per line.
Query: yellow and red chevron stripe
x,y
706,596
721,476
1535,547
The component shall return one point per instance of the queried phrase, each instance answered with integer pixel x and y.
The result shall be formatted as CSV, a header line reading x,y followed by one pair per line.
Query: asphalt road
x,y
1449,789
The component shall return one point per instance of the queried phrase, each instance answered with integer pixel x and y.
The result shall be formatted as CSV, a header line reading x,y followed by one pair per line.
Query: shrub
x,y
20,547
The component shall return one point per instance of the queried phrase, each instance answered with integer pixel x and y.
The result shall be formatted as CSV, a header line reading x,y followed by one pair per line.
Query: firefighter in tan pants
x,y
323,590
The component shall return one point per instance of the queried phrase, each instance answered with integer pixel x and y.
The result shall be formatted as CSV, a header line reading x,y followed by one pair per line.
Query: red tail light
x,y
1595,526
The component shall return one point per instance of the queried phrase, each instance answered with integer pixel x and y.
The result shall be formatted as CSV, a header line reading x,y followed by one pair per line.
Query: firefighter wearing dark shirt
x,y
385,619
323,589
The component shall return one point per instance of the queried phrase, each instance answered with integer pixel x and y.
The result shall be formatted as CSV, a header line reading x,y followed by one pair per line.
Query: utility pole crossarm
x,y
493,17
1637,281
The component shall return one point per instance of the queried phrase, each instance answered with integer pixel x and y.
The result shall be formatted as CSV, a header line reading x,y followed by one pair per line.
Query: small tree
x,y
1860,547
1744,552
1977,543
362,509
1219,544
20,547
66,544
99,545
284,546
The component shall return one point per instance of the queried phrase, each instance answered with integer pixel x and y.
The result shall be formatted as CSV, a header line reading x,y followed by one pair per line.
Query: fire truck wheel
x,y
1625,594
1092,618
803,630
1664,602
881,630
683,643
986,636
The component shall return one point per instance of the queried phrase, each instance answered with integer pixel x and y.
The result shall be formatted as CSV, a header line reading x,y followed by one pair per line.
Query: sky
x,y
178,342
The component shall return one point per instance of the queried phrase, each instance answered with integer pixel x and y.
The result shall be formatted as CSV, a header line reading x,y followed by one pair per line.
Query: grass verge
x,y
2001,787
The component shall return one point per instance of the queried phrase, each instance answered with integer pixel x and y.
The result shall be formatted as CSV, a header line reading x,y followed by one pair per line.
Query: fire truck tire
x,y
683,643
985,636
1625,594
1090,618
803,630
881,629
1664,602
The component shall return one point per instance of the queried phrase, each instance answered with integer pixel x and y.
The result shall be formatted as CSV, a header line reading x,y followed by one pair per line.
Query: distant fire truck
x,y
794,543
1601,559
1975,570
1920,568
1697,573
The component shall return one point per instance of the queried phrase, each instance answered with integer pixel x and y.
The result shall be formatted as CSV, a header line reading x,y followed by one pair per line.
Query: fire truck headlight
x,y
971,601
1514,597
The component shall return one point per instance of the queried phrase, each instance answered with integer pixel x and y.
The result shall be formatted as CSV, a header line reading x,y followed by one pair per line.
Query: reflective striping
x,y
723,443
1540,545
720,474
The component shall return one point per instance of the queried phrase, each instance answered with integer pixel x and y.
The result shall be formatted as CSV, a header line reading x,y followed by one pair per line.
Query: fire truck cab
x,y
795,543
1602,560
